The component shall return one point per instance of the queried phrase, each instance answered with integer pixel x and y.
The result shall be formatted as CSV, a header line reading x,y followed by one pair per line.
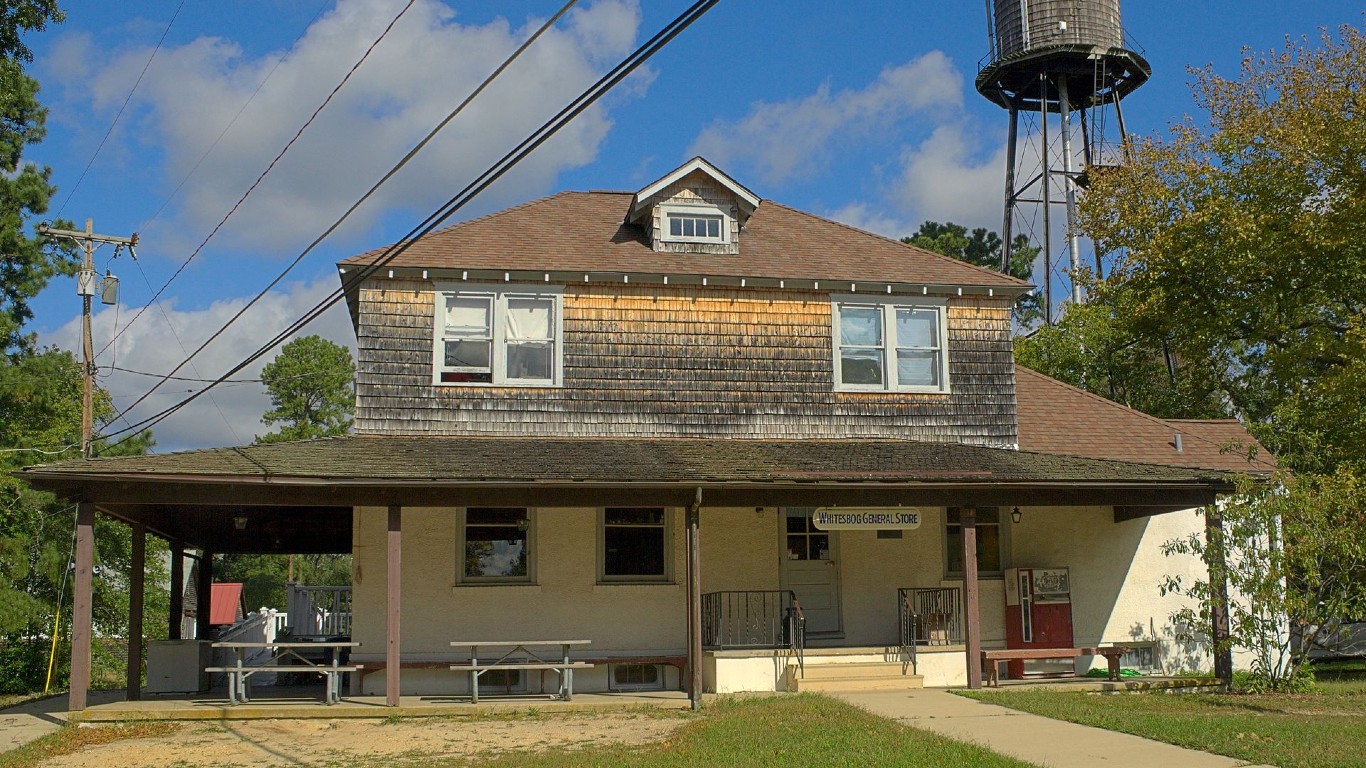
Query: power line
x,y
233,121
454,204
388,175
122,107
268,169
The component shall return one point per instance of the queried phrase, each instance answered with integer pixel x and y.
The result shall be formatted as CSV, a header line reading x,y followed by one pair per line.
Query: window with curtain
x,y
887,345
492,336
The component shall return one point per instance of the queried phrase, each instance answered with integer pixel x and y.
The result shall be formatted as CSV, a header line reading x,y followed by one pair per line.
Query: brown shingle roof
x,y
1060,419
586,231
360,458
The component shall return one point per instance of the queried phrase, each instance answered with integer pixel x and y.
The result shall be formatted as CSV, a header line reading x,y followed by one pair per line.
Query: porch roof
x,y
364,470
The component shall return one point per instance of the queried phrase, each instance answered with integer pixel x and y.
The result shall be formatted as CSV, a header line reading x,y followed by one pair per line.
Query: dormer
x,y
693,209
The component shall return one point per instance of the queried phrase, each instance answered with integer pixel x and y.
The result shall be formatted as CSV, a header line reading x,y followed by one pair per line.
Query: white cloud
x,y
784,139
425,67
867,218
944,179
229,414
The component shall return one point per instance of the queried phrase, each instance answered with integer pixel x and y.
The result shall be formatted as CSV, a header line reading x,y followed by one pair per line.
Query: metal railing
x,y
319,611
755,619
929,616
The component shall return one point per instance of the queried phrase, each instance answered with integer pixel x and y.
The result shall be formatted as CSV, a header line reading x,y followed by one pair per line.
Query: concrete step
x,y
854,670
854,676
851,684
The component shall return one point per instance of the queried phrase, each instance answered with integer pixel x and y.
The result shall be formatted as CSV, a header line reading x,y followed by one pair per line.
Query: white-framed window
x,y
634,544
696,223
990,542
890,345
497,546
498,336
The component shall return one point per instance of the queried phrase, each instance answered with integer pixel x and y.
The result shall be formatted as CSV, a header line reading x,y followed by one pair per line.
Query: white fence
x,y
318,611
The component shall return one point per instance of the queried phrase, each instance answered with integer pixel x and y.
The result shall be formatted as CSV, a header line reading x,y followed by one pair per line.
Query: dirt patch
x,y
350,742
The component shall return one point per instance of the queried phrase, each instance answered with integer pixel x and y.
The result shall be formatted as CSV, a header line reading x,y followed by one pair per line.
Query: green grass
x,y
798,731
73,738
1323,727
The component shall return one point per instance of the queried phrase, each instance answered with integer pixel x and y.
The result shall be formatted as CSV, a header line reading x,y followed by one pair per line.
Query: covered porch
x,y
736,592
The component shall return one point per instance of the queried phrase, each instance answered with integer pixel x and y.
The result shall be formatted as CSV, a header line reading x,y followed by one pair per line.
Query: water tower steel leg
x,y
1123,131
1047,180
1085,138
1009,222
1069,189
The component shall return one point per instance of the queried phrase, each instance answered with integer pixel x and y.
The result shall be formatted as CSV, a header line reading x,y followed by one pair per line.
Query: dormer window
x,y
695,224
693,209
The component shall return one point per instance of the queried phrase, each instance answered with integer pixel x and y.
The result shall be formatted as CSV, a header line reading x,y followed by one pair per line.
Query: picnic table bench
x,y
239,673
522,655
989,658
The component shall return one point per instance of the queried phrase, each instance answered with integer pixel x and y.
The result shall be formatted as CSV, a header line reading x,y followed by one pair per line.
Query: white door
x,y
810,570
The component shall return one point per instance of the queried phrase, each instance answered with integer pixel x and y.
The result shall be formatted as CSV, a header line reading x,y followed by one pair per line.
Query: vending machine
x,y
1038,611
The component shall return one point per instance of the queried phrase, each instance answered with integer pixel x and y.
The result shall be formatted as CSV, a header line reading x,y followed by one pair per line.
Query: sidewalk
x,y
34,719
1040,740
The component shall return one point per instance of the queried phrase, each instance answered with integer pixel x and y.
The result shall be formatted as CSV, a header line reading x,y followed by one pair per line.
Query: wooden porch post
x,y
177,616
694,525
81,606
1218,579
972,619
137,566
204,596
393,595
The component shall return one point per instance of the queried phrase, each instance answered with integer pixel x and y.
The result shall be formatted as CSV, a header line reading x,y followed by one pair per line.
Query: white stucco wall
x,y
1116,573
1115,567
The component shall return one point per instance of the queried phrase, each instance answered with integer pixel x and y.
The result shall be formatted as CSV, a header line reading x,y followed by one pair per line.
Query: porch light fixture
x,y
240,522
1015,515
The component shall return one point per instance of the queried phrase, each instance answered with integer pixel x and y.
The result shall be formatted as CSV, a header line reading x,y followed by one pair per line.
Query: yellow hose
x,y
52,657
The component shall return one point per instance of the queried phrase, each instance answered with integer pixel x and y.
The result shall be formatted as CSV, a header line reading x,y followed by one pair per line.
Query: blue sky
x,y
861,111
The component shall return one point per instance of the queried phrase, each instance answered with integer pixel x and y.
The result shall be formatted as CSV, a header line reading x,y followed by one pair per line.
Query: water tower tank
x,y
1079,39
1056,22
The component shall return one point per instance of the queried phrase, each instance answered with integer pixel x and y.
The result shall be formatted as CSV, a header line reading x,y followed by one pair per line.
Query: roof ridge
x,y
909,246
1134,411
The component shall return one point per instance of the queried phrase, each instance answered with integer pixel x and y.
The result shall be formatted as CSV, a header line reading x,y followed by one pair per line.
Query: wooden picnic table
x,y
239,673
522,655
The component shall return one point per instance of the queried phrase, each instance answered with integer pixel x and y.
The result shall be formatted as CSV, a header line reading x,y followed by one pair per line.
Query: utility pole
x,y
85,287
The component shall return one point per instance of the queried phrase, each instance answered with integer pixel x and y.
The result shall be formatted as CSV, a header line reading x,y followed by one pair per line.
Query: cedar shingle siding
x,y
682,361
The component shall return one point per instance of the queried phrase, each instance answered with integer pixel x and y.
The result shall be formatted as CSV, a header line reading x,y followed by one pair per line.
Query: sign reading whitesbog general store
x,y
865,518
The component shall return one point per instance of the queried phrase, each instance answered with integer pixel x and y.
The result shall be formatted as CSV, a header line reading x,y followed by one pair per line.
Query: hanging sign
x,y
865,518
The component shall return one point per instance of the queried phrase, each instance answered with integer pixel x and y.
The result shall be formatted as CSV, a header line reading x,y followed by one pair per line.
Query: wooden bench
x,y
990,658
522,655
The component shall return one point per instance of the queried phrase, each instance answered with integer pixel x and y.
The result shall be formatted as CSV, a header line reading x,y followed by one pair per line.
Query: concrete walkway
x,y
1039,740
25,722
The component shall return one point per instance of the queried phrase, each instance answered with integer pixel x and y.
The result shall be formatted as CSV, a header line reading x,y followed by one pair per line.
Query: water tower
x,y
1049,59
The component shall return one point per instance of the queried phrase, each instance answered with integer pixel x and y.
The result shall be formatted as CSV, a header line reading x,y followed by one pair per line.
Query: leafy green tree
x,y
1093,348
263,577
1240,251
983,248
26,262
40,397
1293,549
312,390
